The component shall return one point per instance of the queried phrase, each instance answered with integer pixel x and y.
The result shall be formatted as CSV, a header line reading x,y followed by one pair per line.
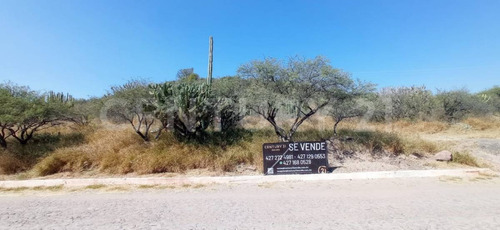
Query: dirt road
x,y
444,203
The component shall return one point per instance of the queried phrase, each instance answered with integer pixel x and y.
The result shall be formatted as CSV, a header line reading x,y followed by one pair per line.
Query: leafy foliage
x,y
229,97
133,103
297,90
408,102
456,105
24,112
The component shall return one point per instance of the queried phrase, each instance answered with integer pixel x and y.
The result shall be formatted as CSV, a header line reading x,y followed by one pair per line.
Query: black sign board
x,y
295,158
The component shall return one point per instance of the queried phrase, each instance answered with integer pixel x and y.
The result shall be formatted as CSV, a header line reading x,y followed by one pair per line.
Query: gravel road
x,y
432,203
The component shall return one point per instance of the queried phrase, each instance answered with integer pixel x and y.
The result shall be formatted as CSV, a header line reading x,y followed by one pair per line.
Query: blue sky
x,y
84,47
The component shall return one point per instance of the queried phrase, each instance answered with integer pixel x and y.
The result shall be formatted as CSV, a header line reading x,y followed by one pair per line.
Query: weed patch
x,y
95,186
465,159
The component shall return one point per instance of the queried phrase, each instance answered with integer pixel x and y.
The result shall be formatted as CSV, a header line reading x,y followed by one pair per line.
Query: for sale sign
x,y
295,158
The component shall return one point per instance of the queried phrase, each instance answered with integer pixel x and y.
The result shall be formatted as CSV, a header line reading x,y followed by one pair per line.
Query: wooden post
x,y
210,60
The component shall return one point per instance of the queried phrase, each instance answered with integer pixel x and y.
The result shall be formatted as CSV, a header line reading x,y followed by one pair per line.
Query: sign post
x,y
295,158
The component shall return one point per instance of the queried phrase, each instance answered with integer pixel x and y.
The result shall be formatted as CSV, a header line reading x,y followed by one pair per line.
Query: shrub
x,y
465,159
456,105
132,103
63,161
9,164
407,103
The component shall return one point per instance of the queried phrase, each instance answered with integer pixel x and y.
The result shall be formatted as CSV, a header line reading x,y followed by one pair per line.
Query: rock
x,y
416,156
252,168
443,156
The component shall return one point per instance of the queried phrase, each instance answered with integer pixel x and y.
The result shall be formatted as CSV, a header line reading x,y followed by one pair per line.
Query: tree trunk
x,y
3,143
335,126
285,138
145,137
157,137
23,141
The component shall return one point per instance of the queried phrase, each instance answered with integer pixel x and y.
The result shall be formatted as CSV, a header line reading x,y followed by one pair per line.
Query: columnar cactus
x,y
51,96
210,60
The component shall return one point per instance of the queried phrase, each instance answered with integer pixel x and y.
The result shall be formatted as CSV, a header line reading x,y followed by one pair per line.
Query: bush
x,y
375,141
492,98
456,105
63,162
406,103
9,164
465,159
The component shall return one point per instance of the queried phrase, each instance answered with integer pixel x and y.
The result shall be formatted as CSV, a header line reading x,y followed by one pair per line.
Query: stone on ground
x,y
443,156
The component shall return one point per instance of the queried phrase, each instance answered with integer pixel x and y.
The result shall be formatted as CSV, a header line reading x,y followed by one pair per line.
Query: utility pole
x,y
210,60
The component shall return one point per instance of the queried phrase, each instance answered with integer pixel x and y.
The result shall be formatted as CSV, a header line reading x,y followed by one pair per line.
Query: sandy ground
x,y
432,203
486,150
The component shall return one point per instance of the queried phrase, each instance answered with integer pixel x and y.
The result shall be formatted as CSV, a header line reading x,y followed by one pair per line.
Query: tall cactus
x,y
51,96
210,60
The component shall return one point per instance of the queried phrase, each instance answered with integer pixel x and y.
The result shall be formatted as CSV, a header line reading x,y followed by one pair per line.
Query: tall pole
x,y
210,60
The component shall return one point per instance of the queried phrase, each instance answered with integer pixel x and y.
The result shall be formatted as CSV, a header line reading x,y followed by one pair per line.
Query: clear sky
x,y
84,47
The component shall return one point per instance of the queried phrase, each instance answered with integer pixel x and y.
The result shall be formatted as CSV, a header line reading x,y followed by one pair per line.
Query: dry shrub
x,y
9,164
465,159
247,153
417,145
64,160
101,149
121,151
375,141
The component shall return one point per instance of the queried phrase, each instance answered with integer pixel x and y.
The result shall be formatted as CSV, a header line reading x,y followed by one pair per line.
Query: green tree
x,y
83,111
24,112
132,103
7,120
352,103
294,90
458,104
228,91
491,97
409,102
187,75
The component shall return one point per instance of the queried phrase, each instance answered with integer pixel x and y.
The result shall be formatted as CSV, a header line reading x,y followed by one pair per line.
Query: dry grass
x,y
465,159
483,123
16,189
49,188
120,151
9,164
37,188
96,186
413,145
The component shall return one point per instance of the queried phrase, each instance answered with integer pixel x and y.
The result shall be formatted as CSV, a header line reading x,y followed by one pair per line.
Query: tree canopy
x,y
296,89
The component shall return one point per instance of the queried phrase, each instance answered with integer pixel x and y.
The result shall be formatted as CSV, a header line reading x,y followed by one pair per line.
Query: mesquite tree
x,y
344,109
352,102
24,112
132,103
6,119
295,90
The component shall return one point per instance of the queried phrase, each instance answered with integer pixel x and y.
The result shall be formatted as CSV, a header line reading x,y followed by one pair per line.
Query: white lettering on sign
x,y
318,146
293,147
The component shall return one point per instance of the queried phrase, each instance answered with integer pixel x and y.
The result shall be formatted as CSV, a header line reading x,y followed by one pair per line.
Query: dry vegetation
x,y
120,151
465,159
